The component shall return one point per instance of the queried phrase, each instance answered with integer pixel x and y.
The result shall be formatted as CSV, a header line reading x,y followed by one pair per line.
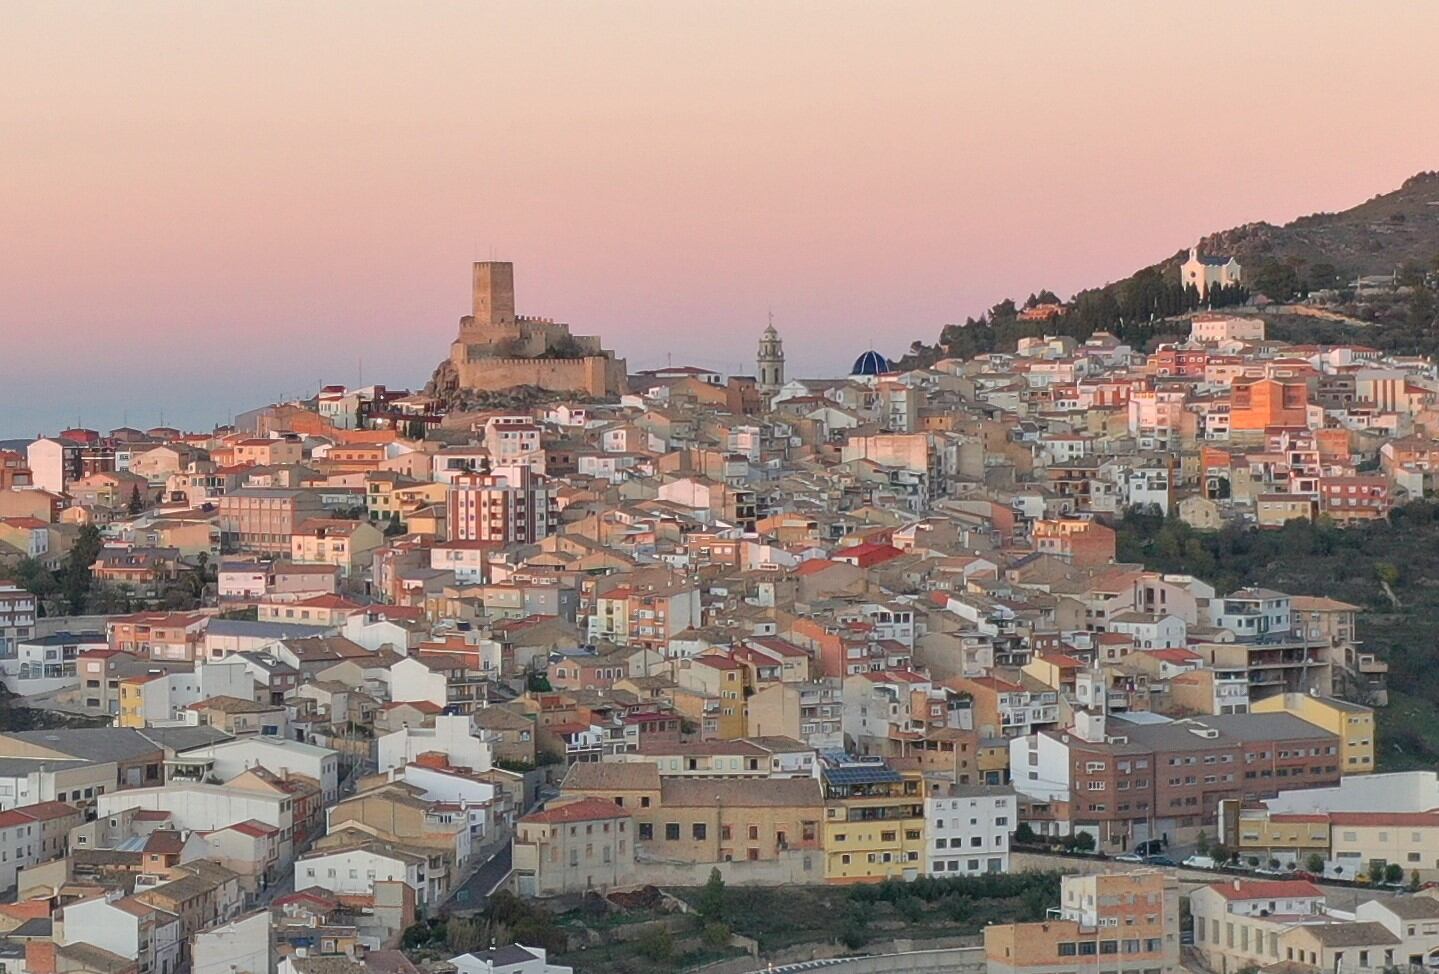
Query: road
x,y
475,891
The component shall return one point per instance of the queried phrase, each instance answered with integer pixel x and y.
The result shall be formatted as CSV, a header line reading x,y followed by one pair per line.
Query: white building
x,y
375,633
17,618
1255,613
125,927
1211,329
411,681
204,808
166,697
456,737
476,799
354,871
32,835
511,959
968,830
241,946
1151,630
274,754
41,664
1202,273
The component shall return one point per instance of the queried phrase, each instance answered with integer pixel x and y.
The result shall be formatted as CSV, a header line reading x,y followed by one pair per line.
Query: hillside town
x,y
282,693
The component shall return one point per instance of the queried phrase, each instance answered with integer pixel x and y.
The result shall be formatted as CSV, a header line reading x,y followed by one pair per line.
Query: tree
x,y
711,903
137,503
1393,873
1201,843
1082,842
1220,853
83,553
854,931
657,945
1315,863
462,936
715,934
36,579
1024,835
1376,871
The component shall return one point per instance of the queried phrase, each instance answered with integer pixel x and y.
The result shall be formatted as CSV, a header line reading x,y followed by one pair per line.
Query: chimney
x,y
1236,884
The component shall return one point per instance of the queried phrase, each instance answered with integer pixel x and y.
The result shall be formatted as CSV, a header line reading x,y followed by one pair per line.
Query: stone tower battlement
x,y
498,349
493,293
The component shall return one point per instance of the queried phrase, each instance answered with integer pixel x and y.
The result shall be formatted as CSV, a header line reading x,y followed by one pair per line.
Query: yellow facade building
x,y
873,823
1353,723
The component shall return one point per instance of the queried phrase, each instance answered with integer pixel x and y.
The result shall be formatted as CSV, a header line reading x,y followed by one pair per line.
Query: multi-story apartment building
x,y
645,615
264,519
1352,723
1125,922
967,830
511,505
17,618
873,822
809,712
1125,782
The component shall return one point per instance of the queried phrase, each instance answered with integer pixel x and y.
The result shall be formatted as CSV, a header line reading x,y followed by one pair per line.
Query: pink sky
x,y
209,205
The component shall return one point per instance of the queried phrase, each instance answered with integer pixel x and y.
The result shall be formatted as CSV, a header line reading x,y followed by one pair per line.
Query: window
x,y
698,830
672,831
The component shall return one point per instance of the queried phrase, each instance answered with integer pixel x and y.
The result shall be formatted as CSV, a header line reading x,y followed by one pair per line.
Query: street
x,y
475,891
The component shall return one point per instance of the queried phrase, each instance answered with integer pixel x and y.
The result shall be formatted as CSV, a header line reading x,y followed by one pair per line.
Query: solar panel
x,y
861,775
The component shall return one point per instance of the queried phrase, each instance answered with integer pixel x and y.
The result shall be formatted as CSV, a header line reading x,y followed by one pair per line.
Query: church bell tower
x,y
769,361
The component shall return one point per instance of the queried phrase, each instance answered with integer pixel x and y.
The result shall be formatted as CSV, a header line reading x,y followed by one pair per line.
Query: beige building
x,y
346,544
574,846
708,820
263,519
1114,922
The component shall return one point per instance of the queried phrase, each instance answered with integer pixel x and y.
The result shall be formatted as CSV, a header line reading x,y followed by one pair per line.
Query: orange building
x,y
1258,404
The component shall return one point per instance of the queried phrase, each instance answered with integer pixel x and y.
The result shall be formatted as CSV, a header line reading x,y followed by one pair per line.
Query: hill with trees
x,y
1389,569
1319,257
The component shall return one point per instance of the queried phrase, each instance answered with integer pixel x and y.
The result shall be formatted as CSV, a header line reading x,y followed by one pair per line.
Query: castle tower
x,y
494,293
769,362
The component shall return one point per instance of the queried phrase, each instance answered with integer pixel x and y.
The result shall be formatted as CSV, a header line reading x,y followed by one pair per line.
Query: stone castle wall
x,y
593,375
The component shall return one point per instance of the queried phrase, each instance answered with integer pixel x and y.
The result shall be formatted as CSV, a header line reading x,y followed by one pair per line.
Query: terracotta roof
x,y
1276,889
584,809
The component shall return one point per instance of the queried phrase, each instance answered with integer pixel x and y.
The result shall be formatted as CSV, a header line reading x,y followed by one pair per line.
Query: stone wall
x,y
788,868
594,375
888,959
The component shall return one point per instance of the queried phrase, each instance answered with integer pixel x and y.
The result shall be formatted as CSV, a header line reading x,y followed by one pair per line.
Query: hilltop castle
x,y
497,349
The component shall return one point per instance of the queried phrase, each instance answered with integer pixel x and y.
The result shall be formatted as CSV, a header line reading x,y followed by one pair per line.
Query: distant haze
x,y
205,206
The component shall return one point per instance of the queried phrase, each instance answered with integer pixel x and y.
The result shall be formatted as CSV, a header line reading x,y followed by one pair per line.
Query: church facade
x,y
497,349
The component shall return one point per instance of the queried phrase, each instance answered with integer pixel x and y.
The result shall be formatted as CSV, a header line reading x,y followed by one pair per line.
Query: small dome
x,y
870,363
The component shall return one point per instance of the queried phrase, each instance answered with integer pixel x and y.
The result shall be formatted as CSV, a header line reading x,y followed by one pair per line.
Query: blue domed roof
x,y
870,363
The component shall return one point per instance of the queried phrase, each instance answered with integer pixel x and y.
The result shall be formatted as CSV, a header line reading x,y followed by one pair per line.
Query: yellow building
x,y
873,823
1353,723
994,761
1262,834
1408,839
132,702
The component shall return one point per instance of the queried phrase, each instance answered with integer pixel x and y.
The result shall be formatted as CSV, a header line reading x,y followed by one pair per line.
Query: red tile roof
x,y
586,809
1276,889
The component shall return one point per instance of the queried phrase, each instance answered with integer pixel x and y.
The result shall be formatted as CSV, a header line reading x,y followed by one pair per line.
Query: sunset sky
x,y
206,206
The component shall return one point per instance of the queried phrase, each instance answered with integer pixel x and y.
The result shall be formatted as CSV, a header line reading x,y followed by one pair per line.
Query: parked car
x,y
1201,862
1129,857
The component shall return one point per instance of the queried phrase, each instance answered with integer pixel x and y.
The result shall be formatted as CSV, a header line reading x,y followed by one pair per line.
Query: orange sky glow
x,y
209,205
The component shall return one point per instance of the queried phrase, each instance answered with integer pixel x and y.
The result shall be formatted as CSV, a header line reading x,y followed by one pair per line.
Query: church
x,y
497,349
1204,273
